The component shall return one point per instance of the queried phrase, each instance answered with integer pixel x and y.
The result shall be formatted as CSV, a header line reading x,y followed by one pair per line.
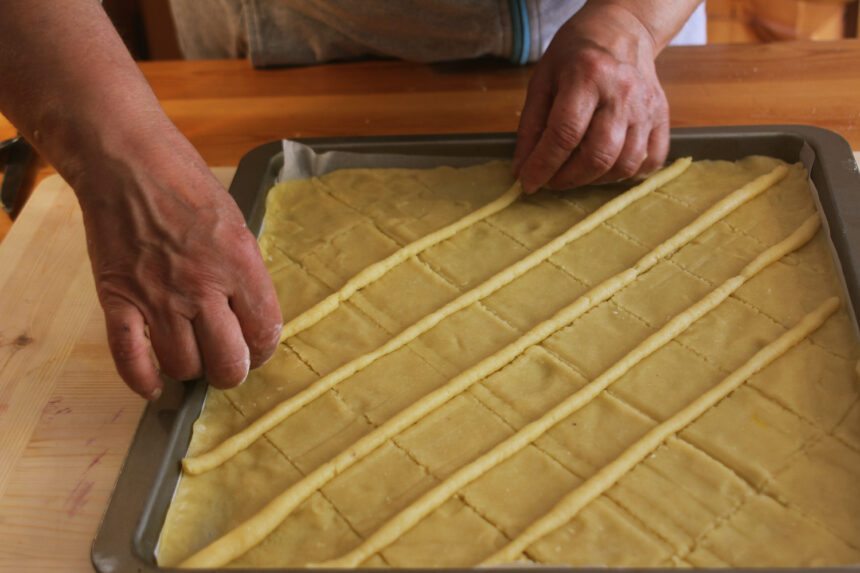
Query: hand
x,y
170,251
168,246
594,111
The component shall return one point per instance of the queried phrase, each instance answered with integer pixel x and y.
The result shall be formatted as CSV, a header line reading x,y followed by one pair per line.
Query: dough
x,y
320,233
240,441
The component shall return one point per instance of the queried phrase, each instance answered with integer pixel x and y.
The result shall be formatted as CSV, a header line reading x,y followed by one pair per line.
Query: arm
x,y
169,248
595,111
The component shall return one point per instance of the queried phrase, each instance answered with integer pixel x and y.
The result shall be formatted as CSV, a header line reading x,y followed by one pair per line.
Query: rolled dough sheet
x,y
769,476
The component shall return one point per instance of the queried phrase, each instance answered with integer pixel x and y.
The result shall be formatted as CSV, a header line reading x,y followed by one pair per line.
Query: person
x,y
175,266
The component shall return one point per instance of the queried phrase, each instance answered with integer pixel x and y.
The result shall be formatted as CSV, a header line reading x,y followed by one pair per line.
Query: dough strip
x,y
377,270
398,525
607,476
373,272
252,531
241,440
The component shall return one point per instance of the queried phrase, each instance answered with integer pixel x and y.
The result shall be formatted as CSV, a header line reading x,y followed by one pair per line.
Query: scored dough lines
x,y
410,516
241,440
256,528
373,272
606,477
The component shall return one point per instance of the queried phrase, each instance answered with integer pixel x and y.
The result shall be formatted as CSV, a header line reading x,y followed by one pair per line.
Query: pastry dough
x,y
573,502
236,443
528,434
382,438
376,270
254,530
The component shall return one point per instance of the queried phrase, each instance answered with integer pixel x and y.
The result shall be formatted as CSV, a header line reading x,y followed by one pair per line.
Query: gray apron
x,y
300,32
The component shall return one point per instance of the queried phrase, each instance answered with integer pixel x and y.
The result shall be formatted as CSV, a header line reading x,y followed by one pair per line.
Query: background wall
x,y
774,20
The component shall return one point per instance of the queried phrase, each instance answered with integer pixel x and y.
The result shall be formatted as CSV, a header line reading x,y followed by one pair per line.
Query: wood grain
x,y
226,108
66,419
794,82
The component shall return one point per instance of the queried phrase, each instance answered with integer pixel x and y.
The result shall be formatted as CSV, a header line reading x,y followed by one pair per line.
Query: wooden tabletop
x,y
65,418
226,108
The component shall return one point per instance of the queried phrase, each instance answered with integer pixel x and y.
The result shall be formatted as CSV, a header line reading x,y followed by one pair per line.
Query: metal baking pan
x,y
131,525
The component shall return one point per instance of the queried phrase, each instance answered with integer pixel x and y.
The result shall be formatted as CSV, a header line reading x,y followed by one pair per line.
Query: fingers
x,y
632,156
533,118
222,346
567,123
612,149
173,342
215,345
658,148
255,304
598,153
608,115
130,349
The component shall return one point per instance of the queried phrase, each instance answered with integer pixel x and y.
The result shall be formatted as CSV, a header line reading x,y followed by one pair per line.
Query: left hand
x,y
595,111
174,262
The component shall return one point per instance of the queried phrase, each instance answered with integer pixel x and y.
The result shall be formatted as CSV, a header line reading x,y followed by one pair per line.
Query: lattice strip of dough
x,y
373,272
256,528
606,477
238,442
414,513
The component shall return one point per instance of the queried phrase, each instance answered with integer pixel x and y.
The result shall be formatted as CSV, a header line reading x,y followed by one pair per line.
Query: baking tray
x,y
131,525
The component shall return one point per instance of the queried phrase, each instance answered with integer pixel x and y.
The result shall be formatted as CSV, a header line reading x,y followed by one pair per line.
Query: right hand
x,y
595,111
170,253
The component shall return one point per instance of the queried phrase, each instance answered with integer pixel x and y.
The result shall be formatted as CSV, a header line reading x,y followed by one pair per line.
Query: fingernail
x,y
247,371
154,395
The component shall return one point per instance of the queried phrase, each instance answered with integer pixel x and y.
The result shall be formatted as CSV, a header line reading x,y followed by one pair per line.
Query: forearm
x,y
71,87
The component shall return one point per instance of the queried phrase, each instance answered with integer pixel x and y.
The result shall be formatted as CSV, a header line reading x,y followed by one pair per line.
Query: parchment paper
x,y
301,162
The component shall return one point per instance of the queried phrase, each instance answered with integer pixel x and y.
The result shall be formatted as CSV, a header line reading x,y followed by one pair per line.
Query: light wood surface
x,y
226,108
65,418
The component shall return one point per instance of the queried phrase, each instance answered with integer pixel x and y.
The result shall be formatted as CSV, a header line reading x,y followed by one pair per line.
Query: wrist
x,y
619,28
630,13
92,151
129,152
92,136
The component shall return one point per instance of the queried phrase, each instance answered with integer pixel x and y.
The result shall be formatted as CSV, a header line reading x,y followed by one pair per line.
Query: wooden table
x,y
66,419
